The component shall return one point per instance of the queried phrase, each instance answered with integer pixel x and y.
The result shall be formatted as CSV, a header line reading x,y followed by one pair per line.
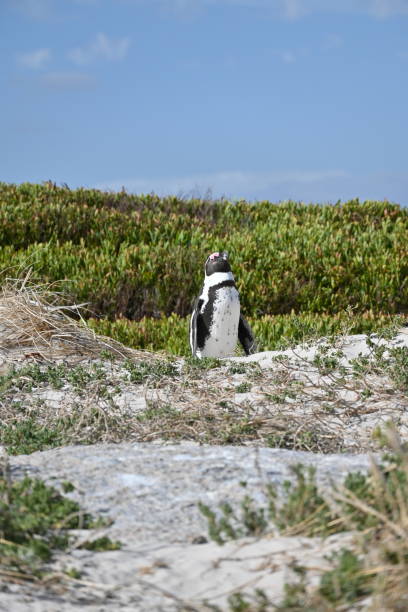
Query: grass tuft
x,y
375,505
35,521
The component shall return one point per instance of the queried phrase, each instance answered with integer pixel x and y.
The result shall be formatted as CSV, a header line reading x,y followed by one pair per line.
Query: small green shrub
x,y
243,368
303,511
230,526
35,520
243,387
25,436
140,372
33,376
101,544
193,366
392,361
347,581
374,504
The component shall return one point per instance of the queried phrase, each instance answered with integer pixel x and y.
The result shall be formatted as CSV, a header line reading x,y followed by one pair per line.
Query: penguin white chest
x,y
223,331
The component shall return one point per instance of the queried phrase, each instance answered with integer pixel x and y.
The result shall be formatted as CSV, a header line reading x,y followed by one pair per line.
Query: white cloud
x,y
306,186
45,9
100,48
232,184
287,9
35,59
34,9
386,8
68,81
293,9
288,57
332,41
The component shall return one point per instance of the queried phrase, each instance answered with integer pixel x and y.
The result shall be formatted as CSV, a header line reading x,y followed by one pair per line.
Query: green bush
x,y
135,256
170,334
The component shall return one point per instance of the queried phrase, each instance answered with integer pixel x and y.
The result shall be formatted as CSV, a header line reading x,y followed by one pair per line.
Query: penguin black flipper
x,y
193,328
246,336
197,326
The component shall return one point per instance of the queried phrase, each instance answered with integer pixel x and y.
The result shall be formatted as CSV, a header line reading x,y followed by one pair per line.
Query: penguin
x,y
216,322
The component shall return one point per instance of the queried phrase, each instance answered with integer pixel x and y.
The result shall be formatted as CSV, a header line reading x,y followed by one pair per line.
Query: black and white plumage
x,y
216,321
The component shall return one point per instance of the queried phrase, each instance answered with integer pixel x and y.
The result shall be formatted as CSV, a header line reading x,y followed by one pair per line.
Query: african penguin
x,y
216,322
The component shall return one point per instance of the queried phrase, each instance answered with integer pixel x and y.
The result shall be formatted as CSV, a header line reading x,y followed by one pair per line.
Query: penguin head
x,y
217,262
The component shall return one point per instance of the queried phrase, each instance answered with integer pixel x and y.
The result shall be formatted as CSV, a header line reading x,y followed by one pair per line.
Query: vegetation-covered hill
x,y
134,256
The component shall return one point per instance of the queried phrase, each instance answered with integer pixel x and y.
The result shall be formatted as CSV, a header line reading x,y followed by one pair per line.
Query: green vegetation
x,y
303,511
243,387
194,365
22,437
32,375
148,370
35,521
199,400
306,440
392,361
23,428
272,331
101,544
139,259
347,582
374,504
90,412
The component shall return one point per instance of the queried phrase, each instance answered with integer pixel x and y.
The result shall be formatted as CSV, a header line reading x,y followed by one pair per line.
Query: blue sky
x,y
255,99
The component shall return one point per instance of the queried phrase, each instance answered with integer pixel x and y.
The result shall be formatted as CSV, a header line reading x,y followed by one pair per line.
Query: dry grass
x,y
37,319
99,402
384,547
372,574
369,572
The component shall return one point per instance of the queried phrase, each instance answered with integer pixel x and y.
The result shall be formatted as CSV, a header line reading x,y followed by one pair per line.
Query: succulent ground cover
x,y
133,256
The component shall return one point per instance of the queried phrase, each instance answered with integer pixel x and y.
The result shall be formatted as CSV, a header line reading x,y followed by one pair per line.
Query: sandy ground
x,y
150,490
